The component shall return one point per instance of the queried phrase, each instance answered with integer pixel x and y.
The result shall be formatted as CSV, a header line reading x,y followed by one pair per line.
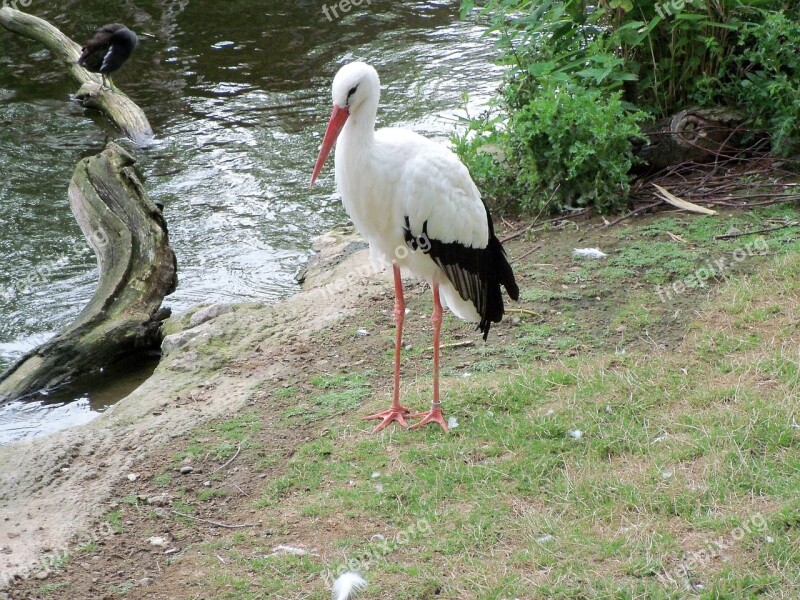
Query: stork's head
x,y
356,89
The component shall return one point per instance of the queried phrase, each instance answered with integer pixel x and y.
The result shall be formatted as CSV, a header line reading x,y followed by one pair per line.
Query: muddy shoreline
x,y
55,487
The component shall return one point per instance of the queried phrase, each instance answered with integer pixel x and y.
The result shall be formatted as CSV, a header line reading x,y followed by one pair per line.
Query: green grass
x,y
49,589
121,589
162,480
217,442
683,482
332,395
114,519
207,494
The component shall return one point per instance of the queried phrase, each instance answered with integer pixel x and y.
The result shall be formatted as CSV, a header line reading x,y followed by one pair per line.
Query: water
x,y
238,95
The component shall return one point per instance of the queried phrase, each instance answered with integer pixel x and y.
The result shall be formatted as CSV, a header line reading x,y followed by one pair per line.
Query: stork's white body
x,y
387,175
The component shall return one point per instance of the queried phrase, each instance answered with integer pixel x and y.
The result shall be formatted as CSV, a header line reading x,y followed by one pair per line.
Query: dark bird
x,y
418,207
108,50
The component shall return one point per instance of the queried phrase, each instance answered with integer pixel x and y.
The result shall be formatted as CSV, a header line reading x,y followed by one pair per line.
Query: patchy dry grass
x,y
682,482
615,446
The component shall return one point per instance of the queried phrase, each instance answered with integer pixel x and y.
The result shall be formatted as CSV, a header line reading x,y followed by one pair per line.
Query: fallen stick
x,y
641,209
728,236
232,458
464,344
214,523
523,311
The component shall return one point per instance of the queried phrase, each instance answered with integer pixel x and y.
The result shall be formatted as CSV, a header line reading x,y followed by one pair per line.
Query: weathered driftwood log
x,y
698,135
137,269
116,105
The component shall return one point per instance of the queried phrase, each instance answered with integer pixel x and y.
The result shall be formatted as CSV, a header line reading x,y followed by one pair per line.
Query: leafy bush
x,y
763,77
562,127
581,76
571,144
577,137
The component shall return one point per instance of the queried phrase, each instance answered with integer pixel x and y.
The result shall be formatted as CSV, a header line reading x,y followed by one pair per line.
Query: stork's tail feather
x,y
501,275
347,586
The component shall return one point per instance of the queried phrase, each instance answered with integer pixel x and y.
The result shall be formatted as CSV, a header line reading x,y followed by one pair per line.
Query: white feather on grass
x,y
589,253
348,585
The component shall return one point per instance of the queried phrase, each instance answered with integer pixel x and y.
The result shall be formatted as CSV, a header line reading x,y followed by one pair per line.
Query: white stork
x,y
418,207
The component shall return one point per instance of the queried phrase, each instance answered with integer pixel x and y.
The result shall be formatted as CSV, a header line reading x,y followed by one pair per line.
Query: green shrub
x,y
567,142
580,139
581,76
762,78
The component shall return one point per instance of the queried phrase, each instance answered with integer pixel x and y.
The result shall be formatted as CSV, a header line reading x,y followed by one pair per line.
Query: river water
x,y
238,95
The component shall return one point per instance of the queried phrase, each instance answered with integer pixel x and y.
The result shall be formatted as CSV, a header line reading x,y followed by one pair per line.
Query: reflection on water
x,y
238,95
24,420
86,399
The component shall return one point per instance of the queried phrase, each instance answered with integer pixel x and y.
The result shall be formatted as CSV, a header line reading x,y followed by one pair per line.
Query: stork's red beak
x,y
335,125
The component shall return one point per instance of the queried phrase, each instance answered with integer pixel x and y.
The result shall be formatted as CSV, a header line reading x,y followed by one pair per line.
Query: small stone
x,y
160,500
133,476
157,541
42,575
145,581
186,470
575,434
208,313
283,549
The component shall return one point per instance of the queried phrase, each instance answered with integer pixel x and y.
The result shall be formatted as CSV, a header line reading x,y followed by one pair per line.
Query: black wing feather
x,y
477,273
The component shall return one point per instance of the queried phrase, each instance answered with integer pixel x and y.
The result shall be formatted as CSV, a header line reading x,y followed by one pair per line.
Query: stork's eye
x,y
351,92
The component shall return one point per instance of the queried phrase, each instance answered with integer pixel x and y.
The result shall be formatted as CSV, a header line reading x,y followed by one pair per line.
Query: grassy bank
x,y
632,433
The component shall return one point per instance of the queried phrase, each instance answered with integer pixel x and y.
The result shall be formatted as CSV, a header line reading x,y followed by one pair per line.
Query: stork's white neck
x,y
359,131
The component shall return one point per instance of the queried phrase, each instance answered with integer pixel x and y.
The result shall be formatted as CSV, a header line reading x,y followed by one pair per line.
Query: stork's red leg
x,y
396,412
434,415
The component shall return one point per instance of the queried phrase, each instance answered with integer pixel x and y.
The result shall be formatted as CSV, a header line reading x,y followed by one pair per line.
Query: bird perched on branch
x,y
418,207
108,50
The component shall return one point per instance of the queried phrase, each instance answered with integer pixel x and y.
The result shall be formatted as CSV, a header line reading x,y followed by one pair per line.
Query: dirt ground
x,y
56,489
221,361
62,531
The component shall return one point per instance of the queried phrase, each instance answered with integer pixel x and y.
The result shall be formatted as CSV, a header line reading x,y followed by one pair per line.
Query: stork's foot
x,y
394,413
434,415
